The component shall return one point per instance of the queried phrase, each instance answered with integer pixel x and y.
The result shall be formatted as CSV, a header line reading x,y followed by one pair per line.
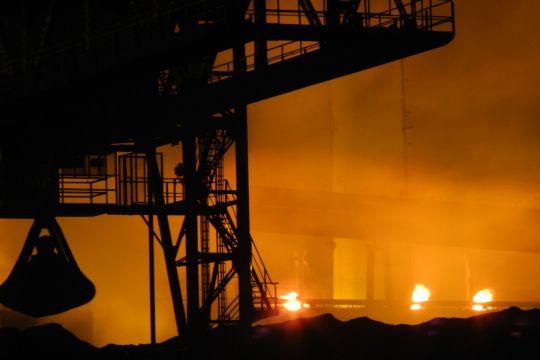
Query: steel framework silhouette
x,y
91,91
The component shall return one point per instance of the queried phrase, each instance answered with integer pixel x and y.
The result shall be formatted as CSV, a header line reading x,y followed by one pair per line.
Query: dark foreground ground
x,y
507,334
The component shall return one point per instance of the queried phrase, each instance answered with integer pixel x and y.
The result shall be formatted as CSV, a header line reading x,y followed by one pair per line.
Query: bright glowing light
x,y
306,306
291,303
289,296
483,296
478,307
420,294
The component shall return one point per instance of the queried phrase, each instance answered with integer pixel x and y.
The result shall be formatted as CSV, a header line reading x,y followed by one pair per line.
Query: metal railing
x,y
113,188
283,52
74,190
422,15
426,14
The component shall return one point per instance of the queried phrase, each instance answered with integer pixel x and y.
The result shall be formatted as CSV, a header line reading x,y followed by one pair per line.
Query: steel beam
x,y
192,191
156,190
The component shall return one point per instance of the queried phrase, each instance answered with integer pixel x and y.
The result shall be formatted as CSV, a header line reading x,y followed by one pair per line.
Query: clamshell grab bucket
x,y
45,279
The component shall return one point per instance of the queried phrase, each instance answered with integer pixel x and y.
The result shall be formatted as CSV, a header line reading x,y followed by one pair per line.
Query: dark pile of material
x,y
510,334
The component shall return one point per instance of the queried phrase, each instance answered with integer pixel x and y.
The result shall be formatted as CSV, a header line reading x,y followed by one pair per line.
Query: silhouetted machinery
x,y
91,90
48,281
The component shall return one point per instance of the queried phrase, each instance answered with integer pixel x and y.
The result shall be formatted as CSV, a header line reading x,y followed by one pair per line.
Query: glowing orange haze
x,y
328,184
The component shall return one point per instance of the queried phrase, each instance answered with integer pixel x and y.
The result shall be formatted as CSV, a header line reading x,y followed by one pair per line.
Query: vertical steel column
x,y
332,13
261,57
155,184
152,279
243,259
192,190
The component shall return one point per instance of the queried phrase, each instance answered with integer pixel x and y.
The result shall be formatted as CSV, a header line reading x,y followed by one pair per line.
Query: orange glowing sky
x,y
474,111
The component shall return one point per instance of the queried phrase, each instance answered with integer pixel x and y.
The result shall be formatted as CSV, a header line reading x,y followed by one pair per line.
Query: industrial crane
x,y
92,90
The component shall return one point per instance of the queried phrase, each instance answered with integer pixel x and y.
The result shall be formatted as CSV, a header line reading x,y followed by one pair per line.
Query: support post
x,y
152,279
155,184
192,189
243,258
332,13
261,57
